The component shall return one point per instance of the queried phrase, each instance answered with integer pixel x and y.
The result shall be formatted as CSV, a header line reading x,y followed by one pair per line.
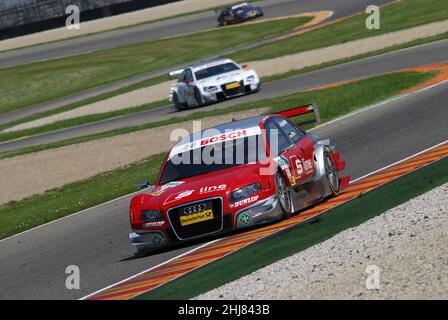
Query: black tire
x,y
198,98
331,172
283,195
177,104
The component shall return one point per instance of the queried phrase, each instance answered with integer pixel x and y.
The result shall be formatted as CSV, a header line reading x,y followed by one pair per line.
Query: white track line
x,y
206,244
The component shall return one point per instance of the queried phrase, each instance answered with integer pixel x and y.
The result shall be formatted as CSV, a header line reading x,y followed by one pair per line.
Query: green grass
x,y
22,215
355,58
107,95
402,15
29,84
301,237
92,118
19,216
346,98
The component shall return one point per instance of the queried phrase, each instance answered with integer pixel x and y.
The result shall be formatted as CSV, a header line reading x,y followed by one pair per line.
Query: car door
x,y
293,153
302,157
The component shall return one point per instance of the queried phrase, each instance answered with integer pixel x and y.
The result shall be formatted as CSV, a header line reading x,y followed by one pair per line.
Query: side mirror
x,y
142,184
244,66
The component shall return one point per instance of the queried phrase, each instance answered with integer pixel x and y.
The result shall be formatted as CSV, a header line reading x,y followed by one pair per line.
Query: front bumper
x,y
220,94
263,211
148,240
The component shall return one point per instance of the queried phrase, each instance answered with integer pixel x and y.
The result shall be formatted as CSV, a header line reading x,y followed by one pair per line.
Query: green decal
x,y
157,239
245,218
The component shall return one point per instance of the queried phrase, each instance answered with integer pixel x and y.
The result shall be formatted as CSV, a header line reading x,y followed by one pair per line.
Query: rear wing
x,y
301,111
175,74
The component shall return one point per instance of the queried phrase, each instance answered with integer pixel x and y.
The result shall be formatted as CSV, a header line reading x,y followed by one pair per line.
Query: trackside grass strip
x,y
402,15
37,82
334,102
301,237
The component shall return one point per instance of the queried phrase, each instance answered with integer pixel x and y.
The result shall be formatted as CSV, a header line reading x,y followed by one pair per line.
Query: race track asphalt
x,y
171,27
389,62
34,263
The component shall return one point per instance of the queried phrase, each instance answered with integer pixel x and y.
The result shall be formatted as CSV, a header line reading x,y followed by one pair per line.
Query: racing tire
x,y
283,195
179,106
198,98
331,172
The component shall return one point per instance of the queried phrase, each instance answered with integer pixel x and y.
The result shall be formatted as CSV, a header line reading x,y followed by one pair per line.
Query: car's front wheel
x,y
283,195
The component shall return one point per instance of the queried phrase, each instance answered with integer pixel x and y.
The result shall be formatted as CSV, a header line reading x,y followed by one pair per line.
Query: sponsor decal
x,y
166,186
221,187
282,162
157,239
292,180
184,194
245,201
154,224
245,218
228,136
196,217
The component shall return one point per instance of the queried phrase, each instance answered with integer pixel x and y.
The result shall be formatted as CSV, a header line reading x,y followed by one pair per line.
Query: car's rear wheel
x,y
283,195
331,172
177,104
198,98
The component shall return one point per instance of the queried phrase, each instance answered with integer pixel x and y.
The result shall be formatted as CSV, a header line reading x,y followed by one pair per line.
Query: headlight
x,y
210,89
250,78
245,192
151,215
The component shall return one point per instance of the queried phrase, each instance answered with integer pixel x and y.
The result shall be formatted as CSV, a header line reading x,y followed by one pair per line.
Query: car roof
x,y
224,128
201,64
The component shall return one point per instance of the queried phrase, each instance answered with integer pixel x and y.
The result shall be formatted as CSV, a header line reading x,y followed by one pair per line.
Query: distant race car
x,y
211,81
264,169
239,13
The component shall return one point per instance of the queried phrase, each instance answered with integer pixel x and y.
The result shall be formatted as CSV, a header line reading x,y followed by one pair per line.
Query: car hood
x,y
224,78
216,184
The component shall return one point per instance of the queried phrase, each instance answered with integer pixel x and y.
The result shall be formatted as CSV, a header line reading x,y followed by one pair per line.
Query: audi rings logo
x,y
195,208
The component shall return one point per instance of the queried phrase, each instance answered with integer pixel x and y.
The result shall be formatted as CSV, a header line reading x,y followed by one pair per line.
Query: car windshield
x,y
216,70
214,157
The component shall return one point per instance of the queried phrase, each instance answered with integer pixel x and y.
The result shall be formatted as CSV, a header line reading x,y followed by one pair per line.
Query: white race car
x,y
211,81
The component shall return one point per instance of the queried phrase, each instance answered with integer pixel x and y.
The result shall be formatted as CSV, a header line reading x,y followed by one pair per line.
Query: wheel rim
x,y
332,175
283,193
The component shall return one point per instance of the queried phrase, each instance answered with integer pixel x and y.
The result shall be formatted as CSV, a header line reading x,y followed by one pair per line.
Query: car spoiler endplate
x,y
301,111
175,74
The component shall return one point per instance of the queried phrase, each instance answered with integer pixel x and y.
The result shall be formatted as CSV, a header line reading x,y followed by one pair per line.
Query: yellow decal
x,y
196,217
232,85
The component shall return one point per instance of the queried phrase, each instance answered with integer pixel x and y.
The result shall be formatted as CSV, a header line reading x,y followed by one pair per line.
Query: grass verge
x,y
333,102
347,98
395,17
33,83
356,58
301,237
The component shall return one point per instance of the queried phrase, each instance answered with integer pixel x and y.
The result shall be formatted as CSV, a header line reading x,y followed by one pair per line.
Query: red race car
x,y
237,175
